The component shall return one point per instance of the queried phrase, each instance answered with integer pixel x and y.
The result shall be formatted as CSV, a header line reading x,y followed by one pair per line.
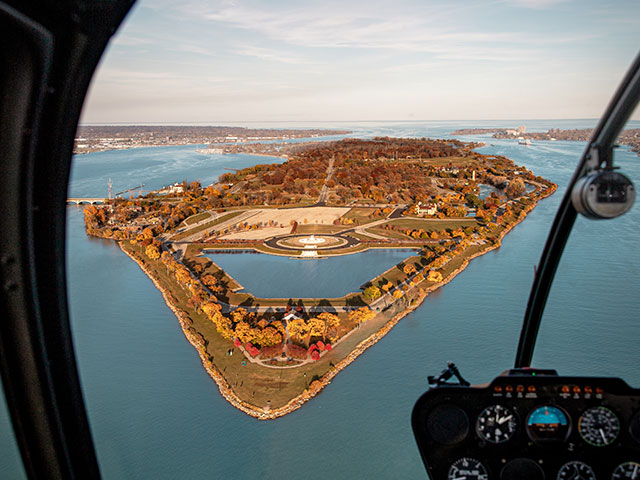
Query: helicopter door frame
x,y
48,53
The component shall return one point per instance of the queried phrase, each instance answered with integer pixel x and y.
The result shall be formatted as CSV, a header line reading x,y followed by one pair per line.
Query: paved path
x,y
325,188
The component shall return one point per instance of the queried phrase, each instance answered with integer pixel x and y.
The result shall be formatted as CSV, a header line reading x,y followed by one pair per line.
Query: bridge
x,y
85,200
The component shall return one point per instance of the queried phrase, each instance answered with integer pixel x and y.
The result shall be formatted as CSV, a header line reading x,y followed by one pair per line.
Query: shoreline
x,y
198,342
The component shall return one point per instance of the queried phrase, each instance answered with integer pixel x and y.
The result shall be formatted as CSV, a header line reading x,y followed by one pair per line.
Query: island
x,y
440,198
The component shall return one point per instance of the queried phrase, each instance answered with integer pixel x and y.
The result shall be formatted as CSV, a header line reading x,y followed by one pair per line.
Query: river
x,y
155,413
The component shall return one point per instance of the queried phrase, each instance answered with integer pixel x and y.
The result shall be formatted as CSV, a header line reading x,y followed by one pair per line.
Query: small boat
x,y
524,141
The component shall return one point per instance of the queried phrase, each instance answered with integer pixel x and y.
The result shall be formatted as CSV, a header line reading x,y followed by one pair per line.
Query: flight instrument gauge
x,y
599,426
467,469
548,423
628,470
576,471
496,424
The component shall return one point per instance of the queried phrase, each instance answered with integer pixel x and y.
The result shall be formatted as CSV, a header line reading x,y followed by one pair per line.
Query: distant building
x,y
427,209
175,188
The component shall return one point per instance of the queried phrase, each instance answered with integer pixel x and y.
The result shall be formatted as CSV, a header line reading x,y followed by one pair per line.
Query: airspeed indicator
x,y
599,426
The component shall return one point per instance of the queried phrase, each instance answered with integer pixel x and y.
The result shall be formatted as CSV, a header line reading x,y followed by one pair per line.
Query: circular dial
x,y
627,470
576,471
467,469
599,426
496,424
548,424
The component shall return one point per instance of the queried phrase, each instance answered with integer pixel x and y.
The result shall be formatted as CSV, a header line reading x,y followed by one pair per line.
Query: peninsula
x,y
96,138
270,355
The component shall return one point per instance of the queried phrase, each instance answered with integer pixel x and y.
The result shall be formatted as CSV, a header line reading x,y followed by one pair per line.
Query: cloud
x,y
431,31
537,4
268,54
197,49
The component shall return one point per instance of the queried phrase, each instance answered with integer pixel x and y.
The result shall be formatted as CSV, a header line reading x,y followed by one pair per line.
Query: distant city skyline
x,y
282,61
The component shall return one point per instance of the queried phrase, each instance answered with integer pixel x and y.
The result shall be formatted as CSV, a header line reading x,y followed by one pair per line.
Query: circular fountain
x,y
312,241
311,244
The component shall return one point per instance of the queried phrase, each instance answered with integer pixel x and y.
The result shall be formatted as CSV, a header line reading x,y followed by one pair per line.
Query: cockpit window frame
x,y
599,152
49,51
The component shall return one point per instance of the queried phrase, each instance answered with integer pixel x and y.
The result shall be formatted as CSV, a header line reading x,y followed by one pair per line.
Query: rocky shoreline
x,y
295,403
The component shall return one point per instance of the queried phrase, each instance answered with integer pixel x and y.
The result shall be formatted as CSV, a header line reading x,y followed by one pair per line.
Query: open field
x,y
387,233
206,226
360,215
257,234
310,220
197,218
431,224
314,228
312,215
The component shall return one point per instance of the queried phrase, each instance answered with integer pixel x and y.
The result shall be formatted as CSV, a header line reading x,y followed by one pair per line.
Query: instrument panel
x,y
530,425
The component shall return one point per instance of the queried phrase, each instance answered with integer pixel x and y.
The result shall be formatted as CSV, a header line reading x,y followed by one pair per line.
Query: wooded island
x,y
269,355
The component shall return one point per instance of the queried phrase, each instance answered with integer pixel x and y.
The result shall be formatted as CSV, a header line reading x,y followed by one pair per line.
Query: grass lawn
x,y
395,275
205,226
378,230
431,224
196,218
361,215
317,228
362,238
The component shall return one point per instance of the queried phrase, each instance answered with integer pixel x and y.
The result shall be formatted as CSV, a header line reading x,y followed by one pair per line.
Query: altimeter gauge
x,y
576,471
467,469
599,426
628,470
496,424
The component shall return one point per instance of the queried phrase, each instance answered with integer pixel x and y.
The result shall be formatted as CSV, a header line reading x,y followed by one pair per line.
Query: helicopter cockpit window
x,y
264,266
589,322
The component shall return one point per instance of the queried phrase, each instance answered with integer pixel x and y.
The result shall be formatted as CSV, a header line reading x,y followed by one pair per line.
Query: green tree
x,y
372,293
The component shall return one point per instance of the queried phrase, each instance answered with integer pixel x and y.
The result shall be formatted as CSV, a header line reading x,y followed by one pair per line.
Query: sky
x,y
231,61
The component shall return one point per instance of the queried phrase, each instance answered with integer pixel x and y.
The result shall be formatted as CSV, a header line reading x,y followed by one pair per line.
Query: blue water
x,y
156,414
155,167
269,276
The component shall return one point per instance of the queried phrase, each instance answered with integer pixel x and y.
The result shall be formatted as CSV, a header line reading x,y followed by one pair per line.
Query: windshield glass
x,y
589,324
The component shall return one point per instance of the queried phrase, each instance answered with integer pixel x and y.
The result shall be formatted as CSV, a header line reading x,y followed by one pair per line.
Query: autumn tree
x,y
434,276
317,327
239,314
147,233
243,332
515,188
372,293
210,281
361,315
152,252
298,329
409,269
182,275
